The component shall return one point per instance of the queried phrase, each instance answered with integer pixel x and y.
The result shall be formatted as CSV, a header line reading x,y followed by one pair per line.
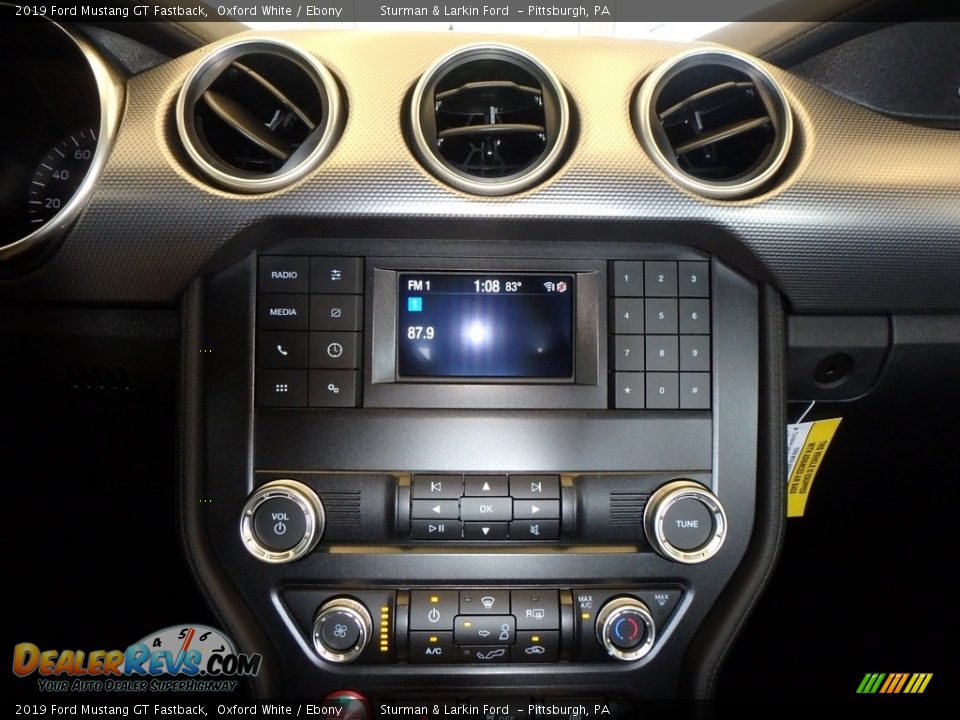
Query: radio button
x,y
535,530
536,509
436,530
485,508
535,487
536,609
484,629
433,609
485,531
440,487
283,274
485,485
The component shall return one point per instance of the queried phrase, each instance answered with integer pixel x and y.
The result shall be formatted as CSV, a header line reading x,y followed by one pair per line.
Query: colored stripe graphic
x,y
894,683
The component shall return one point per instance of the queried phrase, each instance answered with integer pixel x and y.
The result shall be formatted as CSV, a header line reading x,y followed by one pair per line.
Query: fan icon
x,y
339,630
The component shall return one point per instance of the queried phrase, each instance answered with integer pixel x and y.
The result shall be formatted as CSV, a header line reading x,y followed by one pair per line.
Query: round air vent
x,y
715,121
257,115
489,119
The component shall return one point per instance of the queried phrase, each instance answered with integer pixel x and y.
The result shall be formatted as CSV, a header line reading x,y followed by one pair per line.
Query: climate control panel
x,y
483,626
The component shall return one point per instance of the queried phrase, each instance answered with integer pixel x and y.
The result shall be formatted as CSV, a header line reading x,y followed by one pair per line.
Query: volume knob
x,y
282,521
685,522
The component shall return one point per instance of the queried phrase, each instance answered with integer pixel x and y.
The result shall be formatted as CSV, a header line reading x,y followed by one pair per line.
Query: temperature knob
x,y
685,522
342,630
282,521
625,628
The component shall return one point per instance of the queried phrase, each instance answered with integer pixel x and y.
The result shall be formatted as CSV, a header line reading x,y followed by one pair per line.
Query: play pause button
x,y
485,531
436,529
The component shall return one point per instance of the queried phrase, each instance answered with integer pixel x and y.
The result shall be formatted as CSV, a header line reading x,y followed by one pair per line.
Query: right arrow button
x,y
536,509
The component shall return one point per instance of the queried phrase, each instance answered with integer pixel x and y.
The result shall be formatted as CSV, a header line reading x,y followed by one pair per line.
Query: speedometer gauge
x,y
59,174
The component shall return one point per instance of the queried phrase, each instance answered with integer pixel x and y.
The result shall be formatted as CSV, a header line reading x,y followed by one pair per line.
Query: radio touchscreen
x,y
486,326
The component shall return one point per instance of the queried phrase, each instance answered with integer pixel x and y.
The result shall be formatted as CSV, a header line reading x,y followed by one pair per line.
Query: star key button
x,y
629,389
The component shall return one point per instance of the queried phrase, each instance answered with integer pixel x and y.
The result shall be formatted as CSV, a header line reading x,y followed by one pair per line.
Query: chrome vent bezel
x,y
557,123
658,147
306,157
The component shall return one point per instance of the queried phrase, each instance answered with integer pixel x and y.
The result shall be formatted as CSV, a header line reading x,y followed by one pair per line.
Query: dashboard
x,y
484,346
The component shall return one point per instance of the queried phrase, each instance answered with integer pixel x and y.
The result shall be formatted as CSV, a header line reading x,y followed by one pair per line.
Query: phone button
x,y
281,350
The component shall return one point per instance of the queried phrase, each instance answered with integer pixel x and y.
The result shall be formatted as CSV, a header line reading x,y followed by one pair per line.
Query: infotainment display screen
x,y
485,325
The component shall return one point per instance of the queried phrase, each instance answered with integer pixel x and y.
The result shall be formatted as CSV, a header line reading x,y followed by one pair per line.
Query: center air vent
x,y
716,122
258,114
489,119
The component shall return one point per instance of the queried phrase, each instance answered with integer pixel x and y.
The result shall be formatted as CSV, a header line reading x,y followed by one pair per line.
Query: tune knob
x,y
625,628
685,522
282,521
341,630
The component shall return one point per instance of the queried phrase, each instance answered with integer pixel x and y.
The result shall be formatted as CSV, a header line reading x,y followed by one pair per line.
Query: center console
x,y
424,462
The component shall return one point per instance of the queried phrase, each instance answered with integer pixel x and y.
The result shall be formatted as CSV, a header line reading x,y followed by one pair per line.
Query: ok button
x,y
499,508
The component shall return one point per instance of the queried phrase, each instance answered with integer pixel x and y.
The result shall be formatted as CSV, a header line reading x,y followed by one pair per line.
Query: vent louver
x,y
256,115
715,122
489,119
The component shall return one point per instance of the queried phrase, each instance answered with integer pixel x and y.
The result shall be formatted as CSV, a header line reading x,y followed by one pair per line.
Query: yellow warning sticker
x,y
807,443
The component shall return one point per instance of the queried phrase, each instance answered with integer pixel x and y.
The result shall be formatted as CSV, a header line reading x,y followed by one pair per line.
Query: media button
x,y
282,312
